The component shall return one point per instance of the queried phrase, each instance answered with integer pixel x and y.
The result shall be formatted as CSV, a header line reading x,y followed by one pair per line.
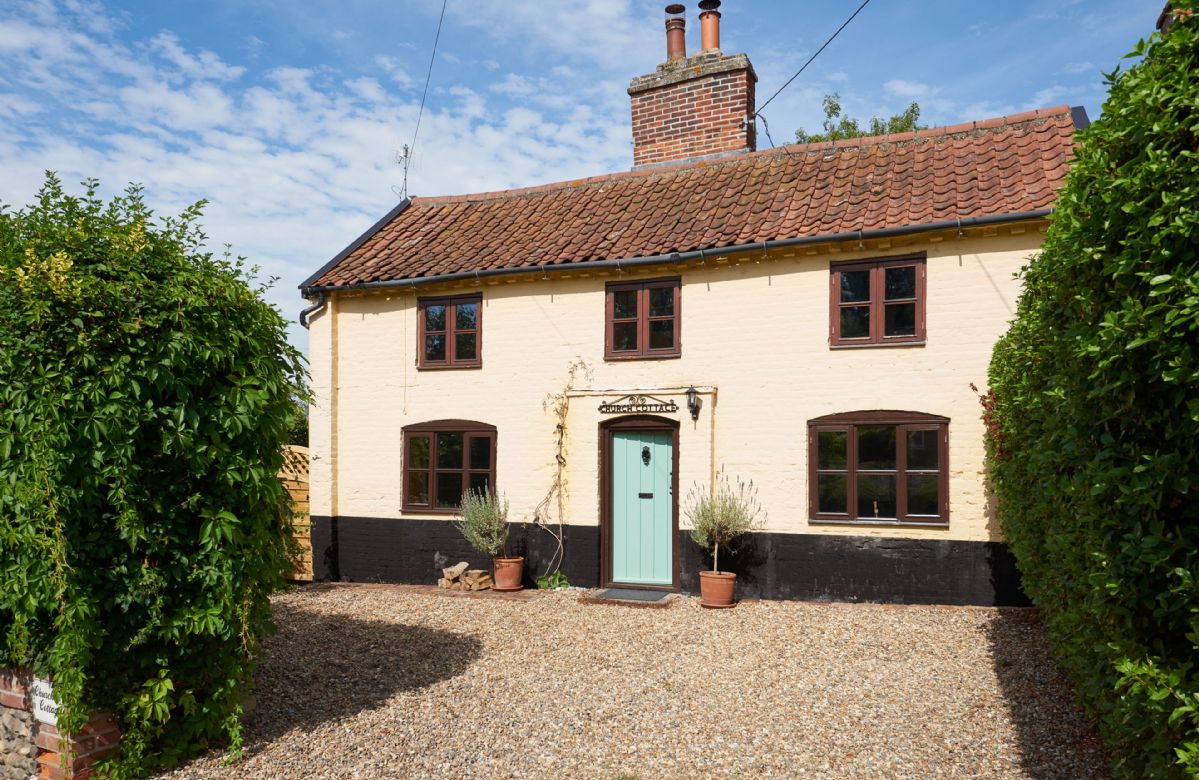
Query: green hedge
x,y
1093,416
145,390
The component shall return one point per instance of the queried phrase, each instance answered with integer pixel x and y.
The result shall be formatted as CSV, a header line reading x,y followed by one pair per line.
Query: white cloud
x,y
908,89
295,162
1079,67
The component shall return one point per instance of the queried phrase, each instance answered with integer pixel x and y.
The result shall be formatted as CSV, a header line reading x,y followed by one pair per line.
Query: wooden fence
x,y
294,476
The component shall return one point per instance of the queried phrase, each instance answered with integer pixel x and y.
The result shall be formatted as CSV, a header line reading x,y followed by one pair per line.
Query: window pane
x,y
467,317
418,487
434,347
855,322
449,452
480,482
661,334
661,302
855,286
876,496
833,493
900,319
831,449
434,318
922,450
876,448
464,346
900,283
923,498
418,452
480,452
624,337
624,304
449,489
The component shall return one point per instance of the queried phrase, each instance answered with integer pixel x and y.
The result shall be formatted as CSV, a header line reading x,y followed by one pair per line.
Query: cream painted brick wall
x,y
755,339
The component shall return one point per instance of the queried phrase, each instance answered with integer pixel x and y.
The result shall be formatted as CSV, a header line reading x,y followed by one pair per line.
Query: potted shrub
x,y
718,519
484,524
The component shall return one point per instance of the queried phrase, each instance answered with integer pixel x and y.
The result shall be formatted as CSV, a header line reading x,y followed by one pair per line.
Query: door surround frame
x,y
636,422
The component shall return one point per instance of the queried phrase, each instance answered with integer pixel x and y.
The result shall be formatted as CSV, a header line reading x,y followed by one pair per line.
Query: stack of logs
x,y
461,577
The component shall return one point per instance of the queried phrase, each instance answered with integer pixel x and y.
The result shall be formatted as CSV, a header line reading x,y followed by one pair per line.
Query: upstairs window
x,y
642,320
879,467
450,332
877,302
442,460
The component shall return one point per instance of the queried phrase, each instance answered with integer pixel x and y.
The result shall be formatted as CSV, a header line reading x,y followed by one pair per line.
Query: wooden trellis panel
x,y
294,476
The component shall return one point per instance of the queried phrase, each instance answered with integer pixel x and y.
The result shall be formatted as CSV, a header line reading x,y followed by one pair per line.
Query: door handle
x,y
645,495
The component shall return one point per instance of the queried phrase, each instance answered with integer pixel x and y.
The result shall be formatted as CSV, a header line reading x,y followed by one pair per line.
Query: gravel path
x,y
391,681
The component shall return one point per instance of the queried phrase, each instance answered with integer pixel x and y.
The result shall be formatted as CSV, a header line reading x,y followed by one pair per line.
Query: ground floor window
x,y
879,467
443,459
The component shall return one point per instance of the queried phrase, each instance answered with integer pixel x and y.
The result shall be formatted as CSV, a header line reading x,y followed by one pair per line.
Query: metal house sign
x,y
638,404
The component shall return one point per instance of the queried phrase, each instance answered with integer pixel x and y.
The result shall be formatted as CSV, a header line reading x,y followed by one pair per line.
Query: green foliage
x,y
838,126
484,521
1094,421
552,581
145,390
719,520
297,431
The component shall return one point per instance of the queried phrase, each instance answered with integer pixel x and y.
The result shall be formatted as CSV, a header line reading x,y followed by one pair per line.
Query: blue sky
x,y
287,116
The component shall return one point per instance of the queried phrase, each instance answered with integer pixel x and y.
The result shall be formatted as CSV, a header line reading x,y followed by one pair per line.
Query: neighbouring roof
x,y
1007,165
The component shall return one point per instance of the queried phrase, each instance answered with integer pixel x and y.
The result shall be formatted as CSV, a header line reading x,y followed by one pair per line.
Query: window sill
x,y
880,523
879,345
654,356
459,367
439,513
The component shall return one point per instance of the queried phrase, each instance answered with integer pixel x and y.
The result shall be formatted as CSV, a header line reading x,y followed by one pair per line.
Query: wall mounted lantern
x,y
693,402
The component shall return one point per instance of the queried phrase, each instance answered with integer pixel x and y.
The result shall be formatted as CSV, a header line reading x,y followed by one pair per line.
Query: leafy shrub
x,y
145,390
1094,420
484,521
719,520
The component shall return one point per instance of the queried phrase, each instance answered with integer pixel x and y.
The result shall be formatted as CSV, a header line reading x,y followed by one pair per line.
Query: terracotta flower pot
x,y
716,589
508,573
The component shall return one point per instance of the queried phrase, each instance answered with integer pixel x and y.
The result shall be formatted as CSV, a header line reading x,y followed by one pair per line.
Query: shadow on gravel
x,y
1054,736
322,668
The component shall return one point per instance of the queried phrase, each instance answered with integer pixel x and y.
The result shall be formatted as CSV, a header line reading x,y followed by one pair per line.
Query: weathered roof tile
x,y
995,166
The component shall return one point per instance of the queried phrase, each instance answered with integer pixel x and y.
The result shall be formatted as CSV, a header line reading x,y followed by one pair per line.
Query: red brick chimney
x,y
693,107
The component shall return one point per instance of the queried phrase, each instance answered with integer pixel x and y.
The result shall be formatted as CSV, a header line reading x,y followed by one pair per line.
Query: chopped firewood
x,y
474,575
455,571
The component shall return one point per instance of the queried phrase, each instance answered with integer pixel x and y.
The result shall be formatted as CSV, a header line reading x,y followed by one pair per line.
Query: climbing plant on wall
x,y
1093,417
146,388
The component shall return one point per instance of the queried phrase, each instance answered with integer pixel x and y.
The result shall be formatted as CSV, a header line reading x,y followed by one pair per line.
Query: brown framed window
x,y
877,302
642,320
442,460
879,467
450,332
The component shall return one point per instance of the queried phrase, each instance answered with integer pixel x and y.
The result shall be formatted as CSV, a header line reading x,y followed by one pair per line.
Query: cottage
x,y
810,317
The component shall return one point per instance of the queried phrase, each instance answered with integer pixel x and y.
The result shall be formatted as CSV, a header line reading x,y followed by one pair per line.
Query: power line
x,y
409,149
814,56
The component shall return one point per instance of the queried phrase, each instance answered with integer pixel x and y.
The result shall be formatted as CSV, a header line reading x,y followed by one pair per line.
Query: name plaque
x,y
638,404
45,709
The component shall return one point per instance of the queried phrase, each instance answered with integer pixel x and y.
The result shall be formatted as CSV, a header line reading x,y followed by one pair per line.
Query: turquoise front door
x,y
642,504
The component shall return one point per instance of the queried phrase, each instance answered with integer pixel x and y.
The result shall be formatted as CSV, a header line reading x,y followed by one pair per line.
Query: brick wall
x,y
29,747
695,107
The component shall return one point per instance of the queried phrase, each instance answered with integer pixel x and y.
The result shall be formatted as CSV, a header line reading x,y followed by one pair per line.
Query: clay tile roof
x,y
993,167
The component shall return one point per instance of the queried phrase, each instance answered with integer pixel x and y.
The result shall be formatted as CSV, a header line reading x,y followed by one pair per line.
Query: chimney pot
x,y
676,37
709,21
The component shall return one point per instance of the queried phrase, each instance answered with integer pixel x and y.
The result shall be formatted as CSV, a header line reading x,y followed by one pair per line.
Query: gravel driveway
x,y
376,681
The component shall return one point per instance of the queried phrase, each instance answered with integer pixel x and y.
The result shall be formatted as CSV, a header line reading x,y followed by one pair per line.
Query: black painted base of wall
x,y
768,565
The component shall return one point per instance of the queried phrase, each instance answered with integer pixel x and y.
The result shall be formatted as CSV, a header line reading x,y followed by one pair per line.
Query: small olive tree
x,y
146,389
718,519
484,522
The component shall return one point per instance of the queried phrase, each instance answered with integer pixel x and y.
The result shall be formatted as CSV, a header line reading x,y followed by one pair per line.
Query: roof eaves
x,y
353,245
